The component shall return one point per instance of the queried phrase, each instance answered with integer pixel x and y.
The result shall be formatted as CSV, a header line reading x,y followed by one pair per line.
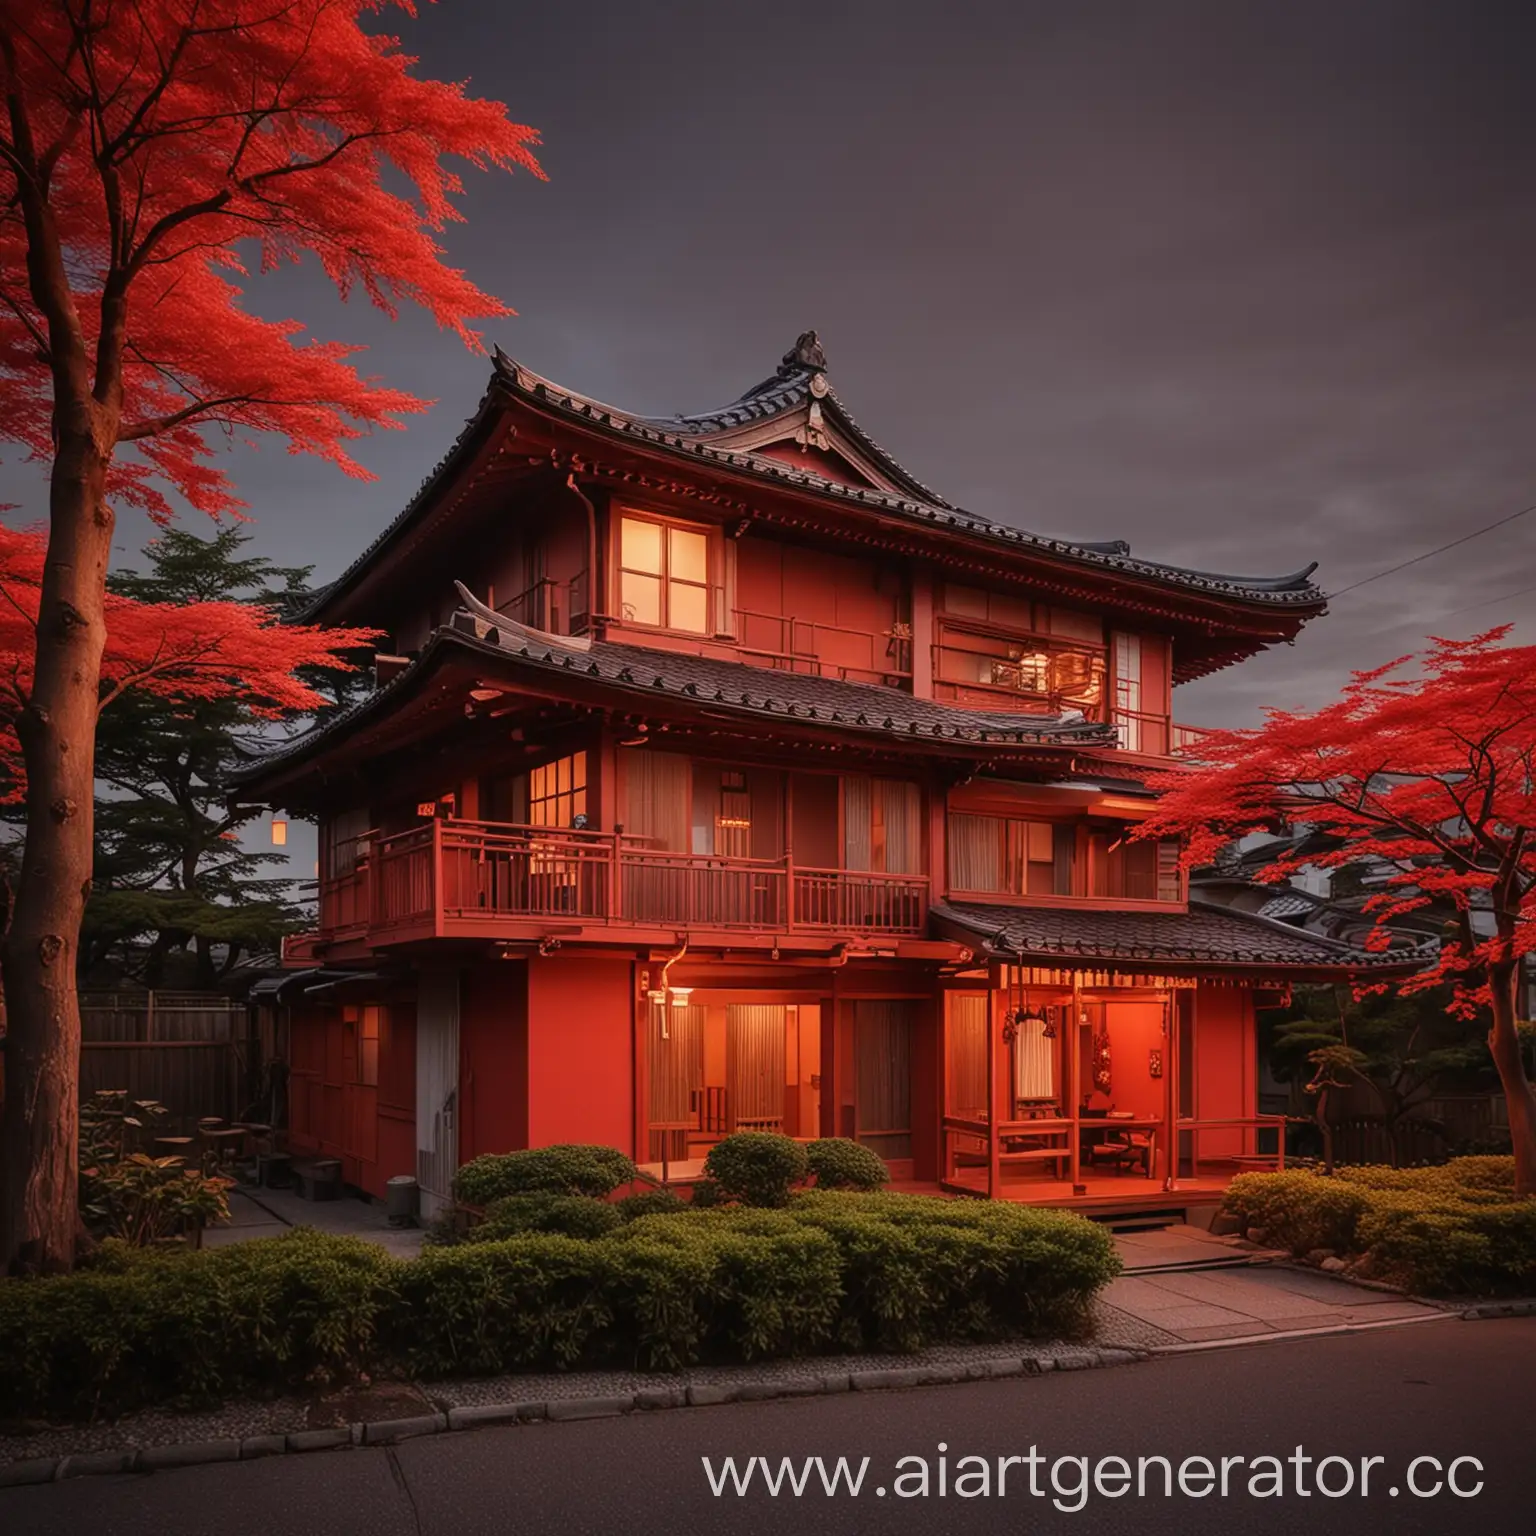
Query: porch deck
x,y
1103,1194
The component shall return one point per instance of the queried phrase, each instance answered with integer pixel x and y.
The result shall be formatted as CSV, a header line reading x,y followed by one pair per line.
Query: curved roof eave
x,y
689,437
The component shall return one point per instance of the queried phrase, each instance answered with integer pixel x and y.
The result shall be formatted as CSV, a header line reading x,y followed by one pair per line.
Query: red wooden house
x,y
721,775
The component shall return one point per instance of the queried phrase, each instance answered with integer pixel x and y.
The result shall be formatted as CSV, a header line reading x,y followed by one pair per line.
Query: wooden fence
x,y
189,1050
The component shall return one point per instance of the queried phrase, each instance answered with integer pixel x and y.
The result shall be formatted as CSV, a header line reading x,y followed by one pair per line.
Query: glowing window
x,y
663,575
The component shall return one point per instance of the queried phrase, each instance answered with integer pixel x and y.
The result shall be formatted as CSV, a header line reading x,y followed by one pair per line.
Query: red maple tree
x,y
1426,768
151,152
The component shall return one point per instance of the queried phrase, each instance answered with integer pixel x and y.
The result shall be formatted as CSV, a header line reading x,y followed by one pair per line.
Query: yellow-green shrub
x,y
1451,1228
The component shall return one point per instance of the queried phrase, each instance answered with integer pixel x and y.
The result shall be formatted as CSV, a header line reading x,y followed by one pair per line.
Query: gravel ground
x,y
1112,1328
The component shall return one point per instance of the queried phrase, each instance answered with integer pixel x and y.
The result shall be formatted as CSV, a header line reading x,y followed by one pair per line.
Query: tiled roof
x,y
1201,936
688,437
721,687
740,687
1295,589
791,387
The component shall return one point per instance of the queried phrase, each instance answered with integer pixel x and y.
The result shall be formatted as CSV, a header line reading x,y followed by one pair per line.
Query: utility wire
x,y
1429,554
1503,597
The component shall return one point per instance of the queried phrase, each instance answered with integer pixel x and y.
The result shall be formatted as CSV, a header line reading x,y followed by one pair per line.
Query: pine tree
x,y
175,867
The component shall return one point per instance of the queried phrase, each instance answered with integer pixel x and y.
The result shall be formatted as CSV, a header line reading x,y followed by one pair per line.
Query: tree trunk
x,y
57,731
1325,1129
1504,1046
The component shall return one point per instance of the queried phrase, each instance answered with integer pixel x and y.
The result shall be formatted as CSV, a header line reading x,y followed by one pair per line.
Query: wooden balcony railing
x,y
792,644
459,875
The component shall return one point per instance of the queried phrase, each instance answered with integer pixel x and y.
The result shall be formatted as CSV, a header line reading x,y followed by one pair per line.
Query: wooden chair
x,y
1122,1148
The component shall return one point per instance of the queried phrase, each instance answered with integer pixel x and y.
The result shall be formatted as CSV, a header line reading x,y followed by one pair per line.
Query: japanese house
x,y
719,774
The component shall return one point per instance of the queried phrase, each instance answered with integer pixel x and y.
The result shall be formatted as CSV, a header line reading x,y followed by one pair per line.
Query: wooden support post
x,y
1170,1090
436,886
1074,1036
994,1141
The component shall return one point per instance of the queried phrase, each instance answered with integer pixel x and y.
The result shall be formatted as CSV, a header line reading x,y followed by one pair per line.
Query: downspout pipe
x,y
666,1001
585,500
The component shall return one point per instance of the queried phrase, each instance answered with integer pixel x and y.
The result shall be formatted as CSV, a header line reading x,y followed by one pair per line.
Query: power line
x,y
1503,597
1429,554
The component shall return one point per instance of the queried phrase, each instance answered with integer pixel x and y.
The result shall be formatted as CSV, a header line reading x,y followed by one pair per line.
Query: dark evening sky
x,y
1249,285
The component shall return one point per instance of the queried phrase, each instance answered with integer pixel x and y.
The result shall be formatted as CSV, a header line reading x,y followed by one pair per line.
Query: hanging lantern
x,y
279,832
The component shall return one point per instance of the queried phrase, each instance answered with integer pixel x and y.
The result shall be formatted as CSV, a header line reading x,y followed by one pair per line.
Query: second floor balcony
x,y
449,878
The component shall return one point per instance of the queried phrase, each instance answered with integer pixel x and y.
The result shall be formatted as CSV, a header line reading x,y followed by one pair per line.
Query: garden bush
x,y
757,1167
572,1215
651,1202
828,1270
1298,1210
1451,1228
918,1270
838,1163
140,1326
559,1170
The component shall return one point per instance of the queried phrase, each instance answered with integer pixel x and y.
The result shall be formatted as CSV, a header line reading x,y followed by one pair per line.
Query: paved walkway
x,y
271,1212
1198,1306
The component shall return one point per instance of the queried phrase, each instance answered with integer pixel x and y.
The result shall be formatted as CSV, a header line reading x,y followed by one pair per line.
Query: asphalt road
x,y
1444,1390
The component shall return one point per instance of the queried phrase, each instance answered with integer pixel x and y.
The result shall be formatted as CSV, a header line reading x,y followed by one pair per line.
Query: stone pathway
x,y
1198,1306
271,1212
1181,1245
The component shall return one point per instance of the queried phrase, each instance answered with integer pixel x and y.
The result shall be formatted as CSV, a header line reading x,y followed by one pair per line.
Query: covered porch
x,y
803,1049
1071,1086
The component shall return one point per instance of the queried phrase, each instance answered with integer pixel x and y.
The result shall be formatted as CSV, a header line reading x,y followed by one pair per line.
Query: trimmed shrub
x,y
571,1215
651,1202
705,1195
1452,1228
1297,1210
917,1270
526,1302
561,1170
838,1163
756,1167
146,1327
829,1270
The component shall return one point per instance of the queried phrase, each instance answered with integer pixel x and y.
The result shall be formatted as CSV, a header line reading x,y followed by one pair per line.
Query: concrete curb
x,y
383,1432
1205,1346
1523,1306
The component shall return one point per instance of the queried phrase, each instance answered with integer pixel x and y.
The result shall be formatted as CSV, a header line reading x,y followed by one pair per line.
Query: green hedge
x,y
560,1170
1454,1228
829,1271
142,1327
756,1167
838,1163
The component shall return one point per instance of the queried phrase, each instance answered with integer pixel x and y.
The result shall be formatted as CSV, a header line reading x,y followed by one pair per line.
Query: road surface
x,y
1445,1390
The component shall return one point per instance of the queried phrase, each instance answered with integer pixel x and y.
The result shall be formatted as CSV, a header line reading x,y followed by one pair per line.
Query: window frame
x,y
574,794
1098,861
710,586
953,628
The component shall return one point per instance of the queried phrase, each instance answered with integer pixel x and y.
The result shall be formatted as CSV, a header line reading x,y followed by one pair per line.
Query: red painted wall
x,y
581,1051
1135,1031
493,1058
819,587
1226,1077
396,1095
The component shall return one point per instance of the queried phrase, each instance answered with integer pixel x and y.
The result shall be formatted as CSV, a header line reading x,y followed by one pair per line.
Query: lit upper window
x,y
663,575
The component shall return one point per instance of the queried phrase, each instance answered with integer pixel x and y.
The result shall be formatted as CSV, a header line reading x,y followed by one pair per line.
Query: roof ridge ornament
x,y
806,356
